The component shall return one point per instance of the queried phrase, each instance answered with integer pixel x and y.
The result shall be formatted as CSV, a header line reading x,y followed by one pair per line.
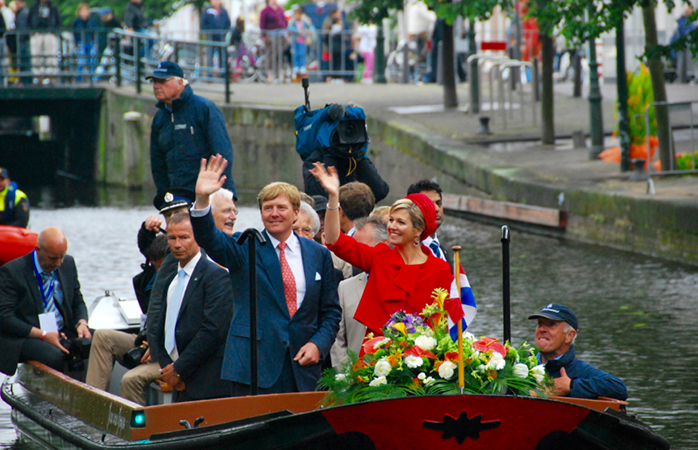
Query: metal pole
x,y
595,111
406,62
505,284
117,59
535,79
622,87
251,235
224,62
474,72
137,56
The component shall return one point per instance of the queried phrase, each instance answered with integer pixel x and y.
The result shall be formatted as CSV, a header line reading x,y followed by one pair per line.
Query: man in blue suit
x,y
189,330
298,307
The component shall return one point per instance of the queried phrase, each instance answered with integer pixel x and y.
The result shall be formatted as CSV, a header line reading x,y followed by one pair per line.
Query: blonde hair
x,y
81,6
415,213
273,190
382,212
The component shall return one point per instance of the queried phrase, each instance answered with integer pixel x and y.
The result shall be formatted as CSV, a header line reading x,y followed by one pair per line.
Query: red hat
x,y
426,206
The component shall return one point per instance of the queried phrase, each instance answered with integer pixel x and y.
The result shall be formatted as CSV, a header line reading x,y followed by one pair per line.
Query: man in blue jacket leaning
x,y
185,129
555,334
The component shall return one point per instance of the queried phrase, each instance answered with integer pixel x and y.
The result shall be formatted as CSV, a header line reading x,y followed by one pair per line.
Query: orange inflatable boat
x,y
15,242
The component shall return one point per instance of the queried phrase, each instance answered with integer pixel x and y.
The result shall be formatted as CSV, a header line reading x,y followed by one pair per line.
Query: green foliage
x,y
640,95
154,9
685,162
480,10
374,11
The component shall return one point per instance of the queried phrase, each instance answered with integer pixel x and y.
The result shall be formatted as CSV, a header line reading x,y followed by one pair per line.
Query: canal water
x,y
638,316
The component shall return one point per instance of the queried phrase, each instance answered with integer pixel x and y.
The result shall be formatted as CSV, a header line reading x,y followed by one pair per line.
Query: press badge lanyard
x,y
51,285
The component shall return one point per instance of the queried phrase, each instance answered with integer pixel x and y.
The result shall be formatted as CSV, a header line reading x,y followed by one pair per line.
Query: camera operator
x,y
41,305
346,151
129,349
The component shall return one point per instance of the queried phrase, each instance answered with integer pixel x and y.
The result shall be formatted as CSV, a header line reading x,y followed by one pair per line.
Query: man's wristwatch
x,y
81,322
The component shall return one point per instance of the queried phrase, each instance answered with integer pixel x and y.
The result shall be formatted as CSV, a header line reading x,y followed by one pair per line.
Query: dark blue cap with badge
x,y
4,173
554,311
166,69
173,199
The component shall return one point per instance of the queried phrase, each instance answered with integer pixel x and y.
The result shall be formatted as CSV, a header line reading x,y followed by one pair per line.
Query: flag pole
x,y
456,276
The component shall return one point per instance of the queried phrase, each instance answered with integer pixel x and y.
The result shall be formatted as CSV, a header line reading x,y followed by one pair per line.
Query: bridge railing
x,y
31,57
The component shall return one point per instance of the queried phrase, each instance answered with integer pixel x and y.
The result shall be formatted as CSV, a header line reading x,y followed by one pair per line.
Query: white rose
x,y
340,377
468,336
446,370
426,343
422,376
496,362
428,380
378,381
538,373
382,368
413,361
520,370
379,344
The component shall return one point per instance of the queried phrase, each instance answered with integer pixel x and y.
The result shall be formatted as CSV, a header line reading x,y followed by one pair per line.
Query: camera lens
x,y
350,132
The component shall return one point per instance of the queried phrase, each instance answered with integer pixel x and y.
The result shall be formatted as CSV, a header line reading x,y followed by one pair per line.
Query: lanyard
x,y
41,282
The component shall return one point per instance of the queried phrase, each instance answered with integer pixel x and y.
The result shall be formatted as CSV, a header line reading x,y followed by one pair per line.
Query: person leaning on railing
x,y
45,20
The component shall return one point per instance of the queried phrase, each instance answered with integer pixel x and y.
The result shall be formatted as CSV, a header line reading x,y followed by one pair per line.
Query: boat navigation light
x,y
138,419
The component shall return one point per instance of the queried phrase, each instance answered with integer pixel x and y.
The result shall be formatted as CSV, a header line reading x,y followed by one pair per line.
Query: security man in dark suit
x,y
432,190
39,298
188,333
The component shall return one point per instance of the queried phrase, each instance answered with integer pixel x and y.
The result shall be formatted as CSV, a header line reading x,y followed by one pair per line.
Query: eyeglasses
x,y
307,230
227,211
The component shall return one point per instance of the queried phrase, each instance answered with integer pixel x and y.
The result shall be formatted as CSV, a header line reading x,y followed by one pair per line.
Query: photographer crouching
x,y
336,136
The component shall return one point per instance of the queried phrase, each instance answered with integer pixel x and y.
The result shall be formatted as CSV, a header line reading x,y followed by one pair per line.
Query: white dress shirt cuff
x,y
200,212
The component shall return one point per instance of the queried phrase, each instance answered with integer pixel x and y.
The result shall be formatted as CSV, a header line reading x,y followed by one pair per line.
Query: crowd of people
x,y
334,268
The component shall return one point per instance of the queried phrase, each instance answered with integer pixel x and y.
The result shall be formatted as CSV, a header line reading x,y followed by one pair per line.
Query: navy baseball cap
x,y
561,313
105,11
320,203
166,69
4,173
173,199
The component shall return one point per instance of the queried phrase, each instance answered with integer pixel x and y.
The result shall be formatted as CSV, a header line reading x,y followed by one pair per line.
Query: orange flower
x,y
392,360
451,356
437,364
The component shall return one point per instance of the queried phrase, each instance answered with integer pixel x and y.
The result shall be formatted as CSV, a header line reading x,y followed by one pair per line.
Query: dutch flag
x,y
464,310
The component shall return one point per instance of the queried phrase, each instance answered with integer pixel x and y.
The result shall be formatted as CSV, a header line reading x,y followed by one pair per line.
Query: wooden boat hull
x,y
15,242
55,410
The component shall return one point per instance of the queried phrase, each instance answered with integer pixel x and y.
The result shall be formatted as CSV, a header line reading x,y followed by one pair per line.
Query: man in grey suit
x,y
297,293
370,231
188,334
39,299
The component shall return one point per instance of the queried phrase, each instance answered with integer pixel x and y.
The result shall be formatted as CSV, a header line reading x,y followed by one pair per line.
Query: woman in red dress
x,y
399,278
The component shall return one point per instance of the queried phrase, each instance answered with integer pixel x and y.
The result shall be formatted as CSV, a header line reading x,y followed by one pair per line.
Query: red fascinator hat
x,y
426,206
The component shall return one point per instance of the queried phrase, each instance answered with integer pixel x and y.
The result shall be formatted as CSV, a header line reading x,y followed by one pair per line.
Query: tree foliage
x,y
154,9
374,11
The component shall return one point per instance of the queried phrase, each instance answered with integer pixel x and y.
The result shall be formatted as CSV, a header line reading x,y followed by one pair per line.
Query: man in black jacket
x,y
44,16
432,190
39,298
185,129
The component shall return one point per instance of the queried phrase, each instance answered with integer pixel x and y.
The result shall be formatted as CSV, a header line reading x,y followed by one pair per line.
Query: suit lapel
x,y
193,281
33,284
308,267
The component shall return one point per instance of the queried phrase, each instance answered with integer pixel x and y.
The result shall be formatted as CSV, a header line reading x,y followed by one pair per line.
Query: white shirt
x,y
351,232
188,269
295,262
428,242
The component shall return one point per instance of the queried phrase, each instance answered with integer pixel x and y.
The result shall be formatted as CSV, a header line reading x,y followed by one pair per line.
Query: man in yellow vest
x,y
14,204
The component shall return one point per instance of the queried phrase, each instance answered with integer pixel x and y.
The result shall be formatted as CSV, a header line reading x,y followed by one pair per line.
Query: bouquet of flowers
x,y
416,356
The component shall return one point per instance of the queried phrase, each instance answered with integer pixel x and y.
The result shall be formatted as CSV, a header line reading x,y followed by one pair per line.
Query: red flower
x,y
451,356
490,344
359,365
368,345
417,351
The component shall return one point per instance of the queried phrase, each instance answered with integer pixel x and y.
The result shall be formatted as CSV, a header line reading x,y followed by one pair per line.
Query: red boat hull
x,y
15,242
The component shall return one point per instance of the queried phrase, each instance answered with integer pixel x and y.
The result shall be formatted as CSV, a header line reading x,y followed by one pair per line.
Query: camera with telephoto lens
x,y
133,357
78,350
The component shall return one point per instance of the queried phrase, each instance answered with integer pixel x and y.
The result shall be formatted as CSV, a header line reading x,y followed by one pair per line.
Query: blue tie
x,y
434,246
173,311
50,305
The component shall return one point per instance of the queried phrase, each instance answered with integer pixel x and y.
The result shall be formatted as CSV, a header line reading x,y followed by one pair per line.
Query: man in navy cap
x,y
186,129
555,335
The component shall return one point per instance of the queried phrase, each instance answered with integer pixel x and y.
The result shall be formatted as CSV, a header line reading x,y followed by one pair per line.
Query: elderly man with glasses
x,y
185,129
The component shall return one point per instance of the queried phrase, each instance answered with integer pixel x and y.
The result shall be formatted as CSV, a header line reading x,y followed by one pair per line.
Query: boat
x,y
15,242
55,411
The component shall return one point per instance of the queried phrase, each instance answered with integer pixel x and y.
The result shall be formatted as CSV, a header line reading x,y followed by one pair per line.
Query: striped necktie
x,y
289,281
434,246
49,300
